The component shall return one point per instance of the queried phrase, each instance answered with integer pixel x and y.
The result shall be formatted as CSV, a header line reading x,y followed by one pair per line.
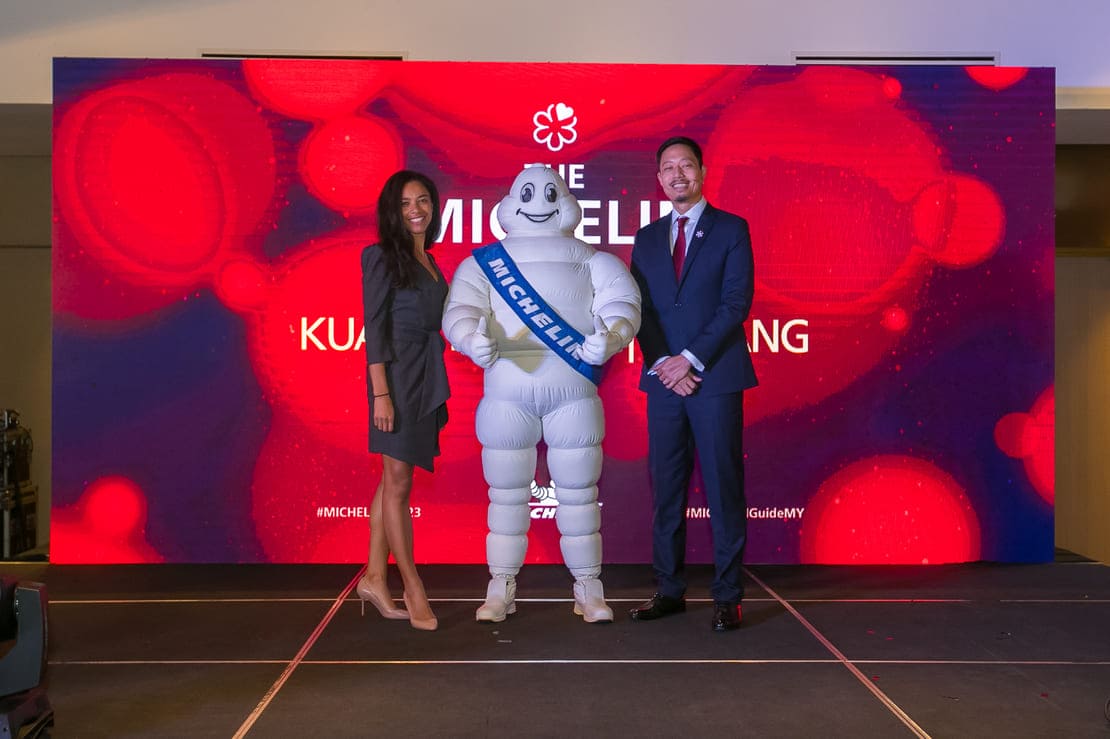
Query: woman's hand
x,y
383,413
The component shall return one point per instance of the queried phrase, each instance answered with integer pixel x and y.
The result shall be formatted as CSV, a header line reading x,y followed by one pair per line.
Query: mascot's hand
x,y
600,345
480,347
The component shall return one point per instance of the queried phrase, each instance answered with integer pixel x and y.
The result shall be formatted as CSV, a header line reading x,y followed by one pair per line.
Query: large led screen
x,y
209,375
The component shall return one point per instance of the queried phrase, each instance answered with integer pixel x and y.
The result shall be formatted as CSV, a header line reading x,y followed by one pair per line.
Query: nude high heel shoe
x,y
424,624
385,606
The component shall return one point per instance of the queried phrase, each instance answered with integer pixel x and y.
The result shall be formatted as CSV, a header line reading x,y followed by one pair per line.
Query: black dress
x,y
402,332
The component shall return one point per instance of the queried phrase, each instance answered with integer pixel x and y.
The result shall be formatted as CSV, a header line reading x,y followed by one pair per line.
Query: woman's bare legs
x,y
373,586
378,560
395,489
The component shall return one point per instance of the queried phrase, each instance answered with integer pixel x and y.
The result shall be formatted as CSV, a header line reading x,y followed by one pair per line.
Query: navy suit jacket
x,y
705,309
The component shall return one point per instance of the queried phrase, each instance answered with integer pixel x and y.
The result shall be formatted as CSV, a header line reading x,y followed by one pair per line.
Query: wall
x,y
1083,405
25,297
1068,34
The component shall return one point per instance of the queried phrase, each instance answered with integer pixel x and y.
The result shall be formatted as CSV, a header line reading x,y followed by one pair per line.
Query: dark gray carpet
x,y
967,650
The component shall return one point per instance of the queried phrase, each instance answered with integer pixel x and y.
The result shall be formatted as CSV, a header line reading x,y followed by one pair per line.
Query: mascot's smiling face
x,y
539,202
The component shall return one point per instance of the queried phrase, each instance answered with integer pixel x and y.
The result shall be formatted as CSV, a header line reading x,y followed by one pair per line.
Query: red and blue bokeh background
x,y
209,394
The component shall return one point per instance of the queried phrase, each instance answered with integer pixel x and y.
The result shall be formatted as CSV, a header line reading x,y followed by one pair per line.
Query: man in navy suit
x,y
695,272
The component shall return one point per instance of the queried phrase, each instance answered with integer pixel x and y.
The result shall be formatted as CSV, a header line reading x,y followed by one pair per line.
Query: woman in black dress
x,y
403,293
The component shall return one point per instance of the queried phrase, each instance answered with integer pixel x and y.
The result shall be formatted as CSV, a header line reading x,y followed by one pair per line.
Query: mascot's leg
x,y
508,433
573,433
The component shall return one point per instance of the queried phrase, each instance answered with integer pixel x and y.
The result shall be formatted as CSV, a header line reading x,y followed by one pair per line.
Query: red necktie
x,y
679,254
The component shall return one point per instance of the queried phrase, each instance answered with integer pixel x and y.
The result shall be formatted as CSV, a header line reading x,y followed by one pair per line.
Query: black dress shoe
x,y
658,607
726,616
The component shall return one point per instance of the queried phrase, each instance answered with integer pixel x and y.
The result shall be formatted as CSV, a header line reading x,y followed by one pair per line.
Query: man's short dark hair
x,y
685,141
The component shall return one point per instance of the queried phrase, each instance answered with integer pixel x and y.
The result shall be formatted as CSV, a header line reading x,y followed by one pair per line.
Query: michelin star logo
x,y
555,126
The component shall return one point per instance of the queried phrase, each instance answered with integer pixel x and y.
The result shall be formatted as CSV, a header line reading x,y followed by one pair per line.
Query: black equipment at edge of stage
x,y
18,495
25,710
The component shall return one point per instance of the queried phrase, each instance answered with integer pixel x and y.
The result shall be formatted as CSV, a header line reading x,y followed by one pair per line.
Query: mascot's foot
x,y
500,599
589,601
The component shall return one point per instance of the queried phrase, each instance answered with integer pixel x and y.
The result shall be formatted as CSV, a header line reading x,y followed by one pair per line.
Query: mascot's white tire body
x,y
530,392
517,409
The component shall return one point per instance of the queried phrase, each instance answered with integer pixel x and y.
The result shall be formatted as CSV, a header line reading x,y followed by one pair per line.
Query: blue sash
x,y
548,326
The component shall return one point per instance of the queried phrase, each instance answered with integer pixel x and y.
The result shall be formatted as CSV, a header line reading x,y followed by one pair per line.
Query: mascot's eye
x,y
526,193
550,193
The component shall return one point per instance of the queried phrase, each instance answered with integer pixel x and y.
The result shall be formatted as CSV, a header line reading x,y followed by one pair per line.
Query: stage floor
x,y
281,650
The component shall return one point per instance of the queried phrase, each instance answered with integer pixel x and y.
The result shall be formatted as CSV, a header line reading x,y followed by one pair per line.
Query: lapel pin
x,y
699,234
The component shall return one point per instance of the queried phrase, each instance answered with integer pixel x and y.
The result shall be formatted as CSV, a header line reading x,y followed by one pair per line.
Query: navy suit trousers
x,y
712,426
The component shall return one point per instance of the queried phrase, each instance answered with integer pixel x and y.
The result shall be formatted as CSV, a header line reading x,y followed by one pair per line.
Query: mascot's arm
x,y
616,308
468,312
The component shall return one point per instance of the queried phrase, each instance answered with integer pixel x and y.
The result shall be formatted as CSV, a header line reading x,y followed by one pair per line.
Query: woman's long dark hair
x,y
394,239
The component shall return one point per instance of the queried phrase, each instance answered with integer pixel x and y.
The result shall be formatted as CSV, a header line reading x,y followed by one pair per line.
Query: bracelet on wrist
x,y
380,395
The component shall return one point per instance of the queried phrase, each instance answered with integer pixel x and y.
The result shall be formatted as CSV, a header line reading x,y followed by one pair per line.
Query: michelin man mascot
x,y
540,312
